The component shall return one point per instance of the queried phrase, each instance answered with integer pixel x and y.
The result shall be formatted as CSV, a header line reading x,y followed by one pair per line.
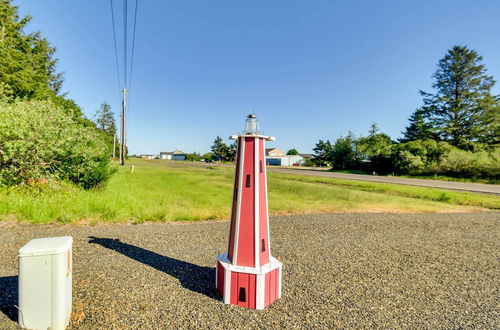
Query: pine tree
x,y
232,150
322,153
105,119
460,107
419,129
27,66
345,155
220,149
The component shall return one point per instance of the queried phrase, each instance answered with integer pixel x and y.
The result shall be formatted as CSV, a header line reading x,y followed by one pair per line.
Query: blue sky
x,y
309,69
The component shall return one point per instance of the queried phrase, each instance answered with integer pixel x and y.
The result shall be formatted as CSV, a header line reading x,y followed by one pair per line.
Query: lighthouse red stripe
x,y
220,279
252,278
234,288
246,238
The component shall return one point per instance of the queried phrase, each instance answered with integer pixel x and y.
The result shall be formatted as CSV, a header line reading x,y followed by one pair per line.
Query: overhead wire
x,y
125,6
114,38
133,45
126,83
127,75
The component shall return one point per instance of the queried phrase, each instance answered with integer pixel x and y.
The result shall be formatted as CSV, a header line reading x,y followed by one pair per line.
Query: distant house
x,y
166,155
149,156
277,157
174,155
306,156
178,155
274,152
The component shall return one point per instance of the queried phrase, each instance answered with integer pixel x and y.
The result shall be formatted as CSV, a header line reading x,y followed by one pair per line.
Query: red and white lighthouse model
x,y
247,275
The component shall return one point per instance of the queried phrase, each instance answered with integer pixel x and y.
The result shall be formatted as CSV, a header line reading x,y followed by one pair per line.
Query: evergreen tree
x,y
461,107
322,153
377,149
292,151
104,120
491,125
220,149
27,66
231,154
344,153
376,143
419,129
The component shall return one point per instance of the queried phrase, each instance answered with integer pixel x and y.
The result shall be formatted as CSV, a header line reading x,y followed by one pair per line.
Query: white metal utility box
x,y
45,283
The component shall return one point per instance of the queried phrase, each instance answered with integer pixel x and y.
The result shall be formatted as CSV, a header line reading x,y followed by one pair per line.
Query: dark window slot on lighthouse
x,y
243,295
247,184
260,166
263,245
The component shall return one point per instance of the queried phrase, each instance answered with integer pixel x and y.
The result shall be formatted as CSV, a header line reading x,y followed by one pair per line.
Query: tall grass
x,y
167,191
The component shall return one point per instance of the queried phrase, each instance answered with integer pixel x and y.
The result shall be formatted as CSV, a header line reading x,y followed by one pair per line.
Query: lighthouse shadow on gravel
x,y
8,296
192,277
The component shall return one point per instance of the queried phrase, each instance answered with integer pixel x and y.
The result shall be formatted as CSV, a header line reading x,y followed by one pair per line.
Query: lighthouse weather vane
x,y
247,275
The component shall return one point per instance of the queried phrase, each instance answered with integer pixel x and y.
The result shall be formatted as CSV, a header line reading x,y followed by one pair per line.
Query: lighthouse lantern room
x,y
247,275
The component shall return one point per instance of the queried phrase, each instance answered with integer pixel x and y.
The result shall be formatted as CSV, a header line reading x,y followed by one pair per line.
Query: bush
x,y
194,157
309,163
39,141
428,157
460,163
406,162
344,155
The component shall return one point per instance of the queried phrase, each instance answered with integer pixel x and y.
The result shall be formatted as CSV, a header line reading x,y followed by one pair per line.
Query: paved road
x,y
434,271
464,186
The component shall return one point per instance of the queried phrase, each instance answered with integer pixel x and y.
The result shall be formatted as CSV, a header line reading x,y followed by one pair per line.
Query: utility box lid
x,y
46,246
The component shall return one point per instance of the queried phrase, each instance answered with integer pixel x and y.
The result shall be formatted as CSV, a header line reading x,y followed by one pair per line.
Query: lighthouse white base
x,y
248,286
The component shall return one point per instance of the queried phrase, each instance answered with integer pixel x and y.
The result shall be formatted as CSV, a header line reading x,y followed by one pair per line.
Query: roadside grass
x,y
450,178
174,191
431,194
416,176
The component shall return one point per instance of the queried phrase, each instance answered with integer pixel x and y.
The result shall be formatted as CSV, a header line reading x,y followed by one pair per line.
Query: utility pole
x,y
114,145
123,148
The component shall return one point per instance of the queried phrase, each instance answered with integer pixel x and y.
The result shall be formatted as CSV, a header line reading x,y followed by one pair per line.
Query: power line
x,y
123,140
125,6
133,46
114,38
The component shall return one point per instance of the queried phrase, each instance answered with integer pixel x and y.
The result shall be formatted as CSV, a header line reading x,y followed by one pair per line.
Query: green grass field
x,y
173,191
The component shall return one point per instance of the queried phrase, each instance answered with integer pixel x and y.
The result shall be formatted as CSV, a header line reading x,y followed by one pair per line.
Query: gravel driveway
x,y
339,270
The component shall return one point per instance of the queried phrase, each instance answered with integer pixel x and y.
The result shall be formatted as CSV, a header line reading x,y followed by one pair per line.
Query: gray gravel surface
x,y
340,270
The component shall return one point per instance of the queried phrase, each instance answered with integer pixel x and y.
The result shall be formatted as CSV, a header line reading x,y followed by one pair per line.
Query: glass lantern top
x,y
252,125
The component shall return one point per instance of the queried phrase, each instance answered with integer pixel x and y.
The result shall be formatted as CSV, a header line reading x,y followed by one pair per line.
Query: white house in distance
x,y
166,155
174,155
146,156
277,157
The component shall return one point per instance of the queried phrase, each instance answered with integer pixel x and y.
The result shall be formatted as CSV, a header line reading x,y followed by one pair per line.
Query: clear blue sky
x,y
310,70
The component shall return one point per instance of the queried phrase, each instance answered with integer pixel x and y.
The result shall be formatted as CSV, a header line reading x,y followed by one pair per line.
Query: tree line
x,y
455,132
43,133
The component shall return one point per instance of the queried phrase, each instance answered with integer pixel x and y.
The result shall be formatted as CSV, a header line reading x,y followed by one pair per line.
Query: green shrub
x,y
406,162
460,163
309,163
429,157
39,141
